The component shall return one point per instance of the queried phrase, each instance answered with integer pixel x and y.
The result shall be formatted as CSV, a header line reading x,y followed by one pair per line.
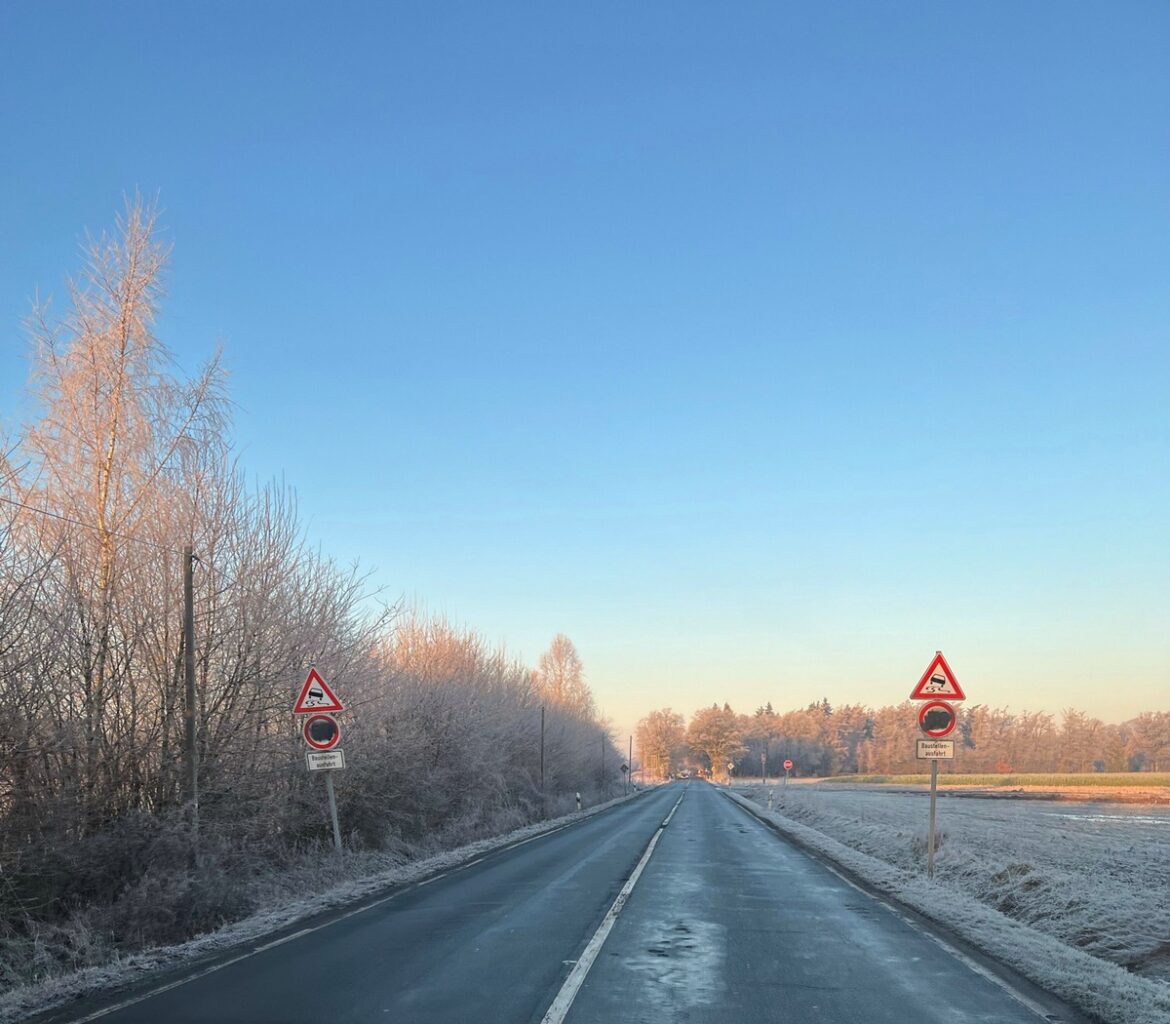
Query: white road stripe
x,y
281,942
560,1006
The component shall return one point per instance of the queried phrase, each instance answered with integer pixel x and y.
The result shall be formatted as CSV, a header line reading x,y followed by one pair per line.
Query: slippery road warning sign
x,y
938,681
316,696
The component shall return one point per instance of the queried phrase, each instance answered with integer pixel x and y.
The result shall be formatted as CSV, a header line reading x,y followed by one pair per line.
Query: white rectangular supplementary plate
x,y
936,750
325,760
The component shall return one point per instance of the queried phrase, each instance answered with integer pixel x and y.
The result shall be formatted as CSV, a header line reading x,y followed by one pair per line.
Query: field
x,y
1152,781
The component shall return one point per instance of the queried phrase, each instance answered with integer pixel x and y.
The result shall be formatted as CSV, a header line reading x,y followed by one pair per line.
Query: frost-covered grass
x,y
1074,898
1067,780
358,876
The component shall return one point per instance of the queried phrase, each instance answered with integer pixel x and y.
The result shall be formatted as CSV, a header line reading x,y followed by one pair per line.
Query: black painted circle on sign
x,y
937,718
322,729
322,732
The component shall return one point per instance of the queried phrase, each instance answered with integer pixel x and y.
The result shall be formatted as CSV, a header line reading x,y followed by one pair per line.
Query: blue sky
x,y
761,348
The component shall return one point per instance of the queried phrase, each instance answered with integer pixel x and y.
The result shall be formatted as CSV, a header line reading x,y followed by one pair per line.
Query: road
x,y
725,922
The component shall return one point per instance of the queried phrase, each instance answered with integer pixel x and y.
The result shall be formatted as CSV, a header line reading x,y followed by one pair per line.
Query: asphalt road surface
x,y
725,922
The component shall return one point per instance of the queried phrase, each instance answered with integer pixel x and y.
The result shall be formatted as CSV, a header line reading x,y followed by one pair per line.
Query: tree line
x,y
822,740
125,464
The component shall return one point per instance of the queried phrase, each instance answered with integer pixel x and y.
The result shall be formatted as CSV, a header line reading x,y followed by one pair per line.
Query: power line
x,y
86,526
116,533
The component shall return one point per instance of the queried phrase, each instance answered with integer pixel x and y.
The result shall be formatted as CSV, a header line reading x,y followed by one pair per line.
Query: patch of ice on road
x,y
680,965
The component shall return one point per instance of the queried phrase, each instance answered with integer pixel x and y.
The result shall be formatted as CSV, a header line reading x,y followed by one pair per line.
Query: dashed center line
x,y
564,1000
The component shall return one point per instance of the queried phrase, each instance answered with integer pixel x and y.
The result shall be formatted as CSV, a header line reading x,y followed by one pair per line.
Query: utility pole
x,y
190,754
542,810
630,764
604,780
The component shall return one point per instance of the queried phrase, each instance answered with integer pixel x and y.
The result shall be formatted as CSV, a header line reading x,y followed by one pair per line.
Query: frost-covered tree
x,y
716,734
661,739
560,678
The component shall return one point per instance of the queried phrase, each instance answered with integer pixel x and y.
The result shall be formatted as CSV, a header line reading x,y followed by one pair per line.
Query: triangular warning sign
x,y
316,696
938,681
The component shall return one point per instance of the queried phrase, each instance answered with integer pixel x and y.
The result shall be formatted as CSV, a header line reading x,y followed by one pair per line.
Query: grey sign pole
x,y
333,810
930,832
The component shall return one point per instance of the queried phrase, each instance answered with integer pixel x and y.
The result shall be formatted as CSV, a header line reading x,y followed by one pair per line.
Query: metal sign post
x,y
322,733
333,810
938,687
930,832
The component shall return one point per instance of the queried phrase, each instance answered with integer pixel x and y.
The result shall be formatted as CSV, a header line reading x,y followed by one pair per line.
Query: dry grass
x,y
1055,780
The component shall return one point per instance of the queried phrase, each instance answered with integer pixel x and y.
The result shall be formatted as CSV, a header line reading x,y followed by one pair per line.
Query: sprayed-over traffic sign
x,y
938,681
322,732
316,696
936,719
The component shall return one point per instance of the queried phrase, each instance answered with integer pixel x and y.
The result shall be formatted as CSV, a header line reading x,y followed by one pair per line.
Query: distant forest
x,y
823,740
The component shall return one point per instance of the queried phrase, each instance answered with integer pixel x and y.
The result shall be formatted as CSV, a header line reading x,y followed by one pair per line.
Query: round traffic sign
x,y
322,732
937,718
787,765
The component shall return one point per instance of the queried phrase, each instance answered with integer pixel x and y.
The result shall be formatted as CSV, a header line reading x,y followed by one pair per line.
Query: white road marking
x,y
564,1000
988,975
666,821
281,942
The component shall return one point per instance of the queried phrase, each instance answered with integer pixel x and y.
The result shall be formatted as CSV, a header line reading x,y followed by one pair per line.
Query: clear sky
x,y
761,348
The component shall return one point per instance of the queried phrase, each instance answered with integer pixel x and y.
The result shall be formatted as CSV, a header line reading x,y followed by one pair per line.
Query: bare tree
x,y
661,737
560,678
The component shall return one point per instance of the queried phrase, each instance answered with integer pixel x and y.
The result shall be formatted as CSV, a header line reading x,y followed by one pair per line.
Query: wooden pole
x,y
190,752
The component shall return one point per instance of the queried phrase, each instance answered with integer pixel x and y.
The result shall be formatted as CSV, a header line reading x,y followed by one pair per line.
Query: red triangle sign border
x,y
954,690
319,692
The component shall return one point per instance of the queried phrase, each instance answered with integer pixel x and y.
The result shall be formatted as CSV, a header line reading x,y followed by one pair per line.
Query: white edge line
x,y
555,1014
969,962
281,942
